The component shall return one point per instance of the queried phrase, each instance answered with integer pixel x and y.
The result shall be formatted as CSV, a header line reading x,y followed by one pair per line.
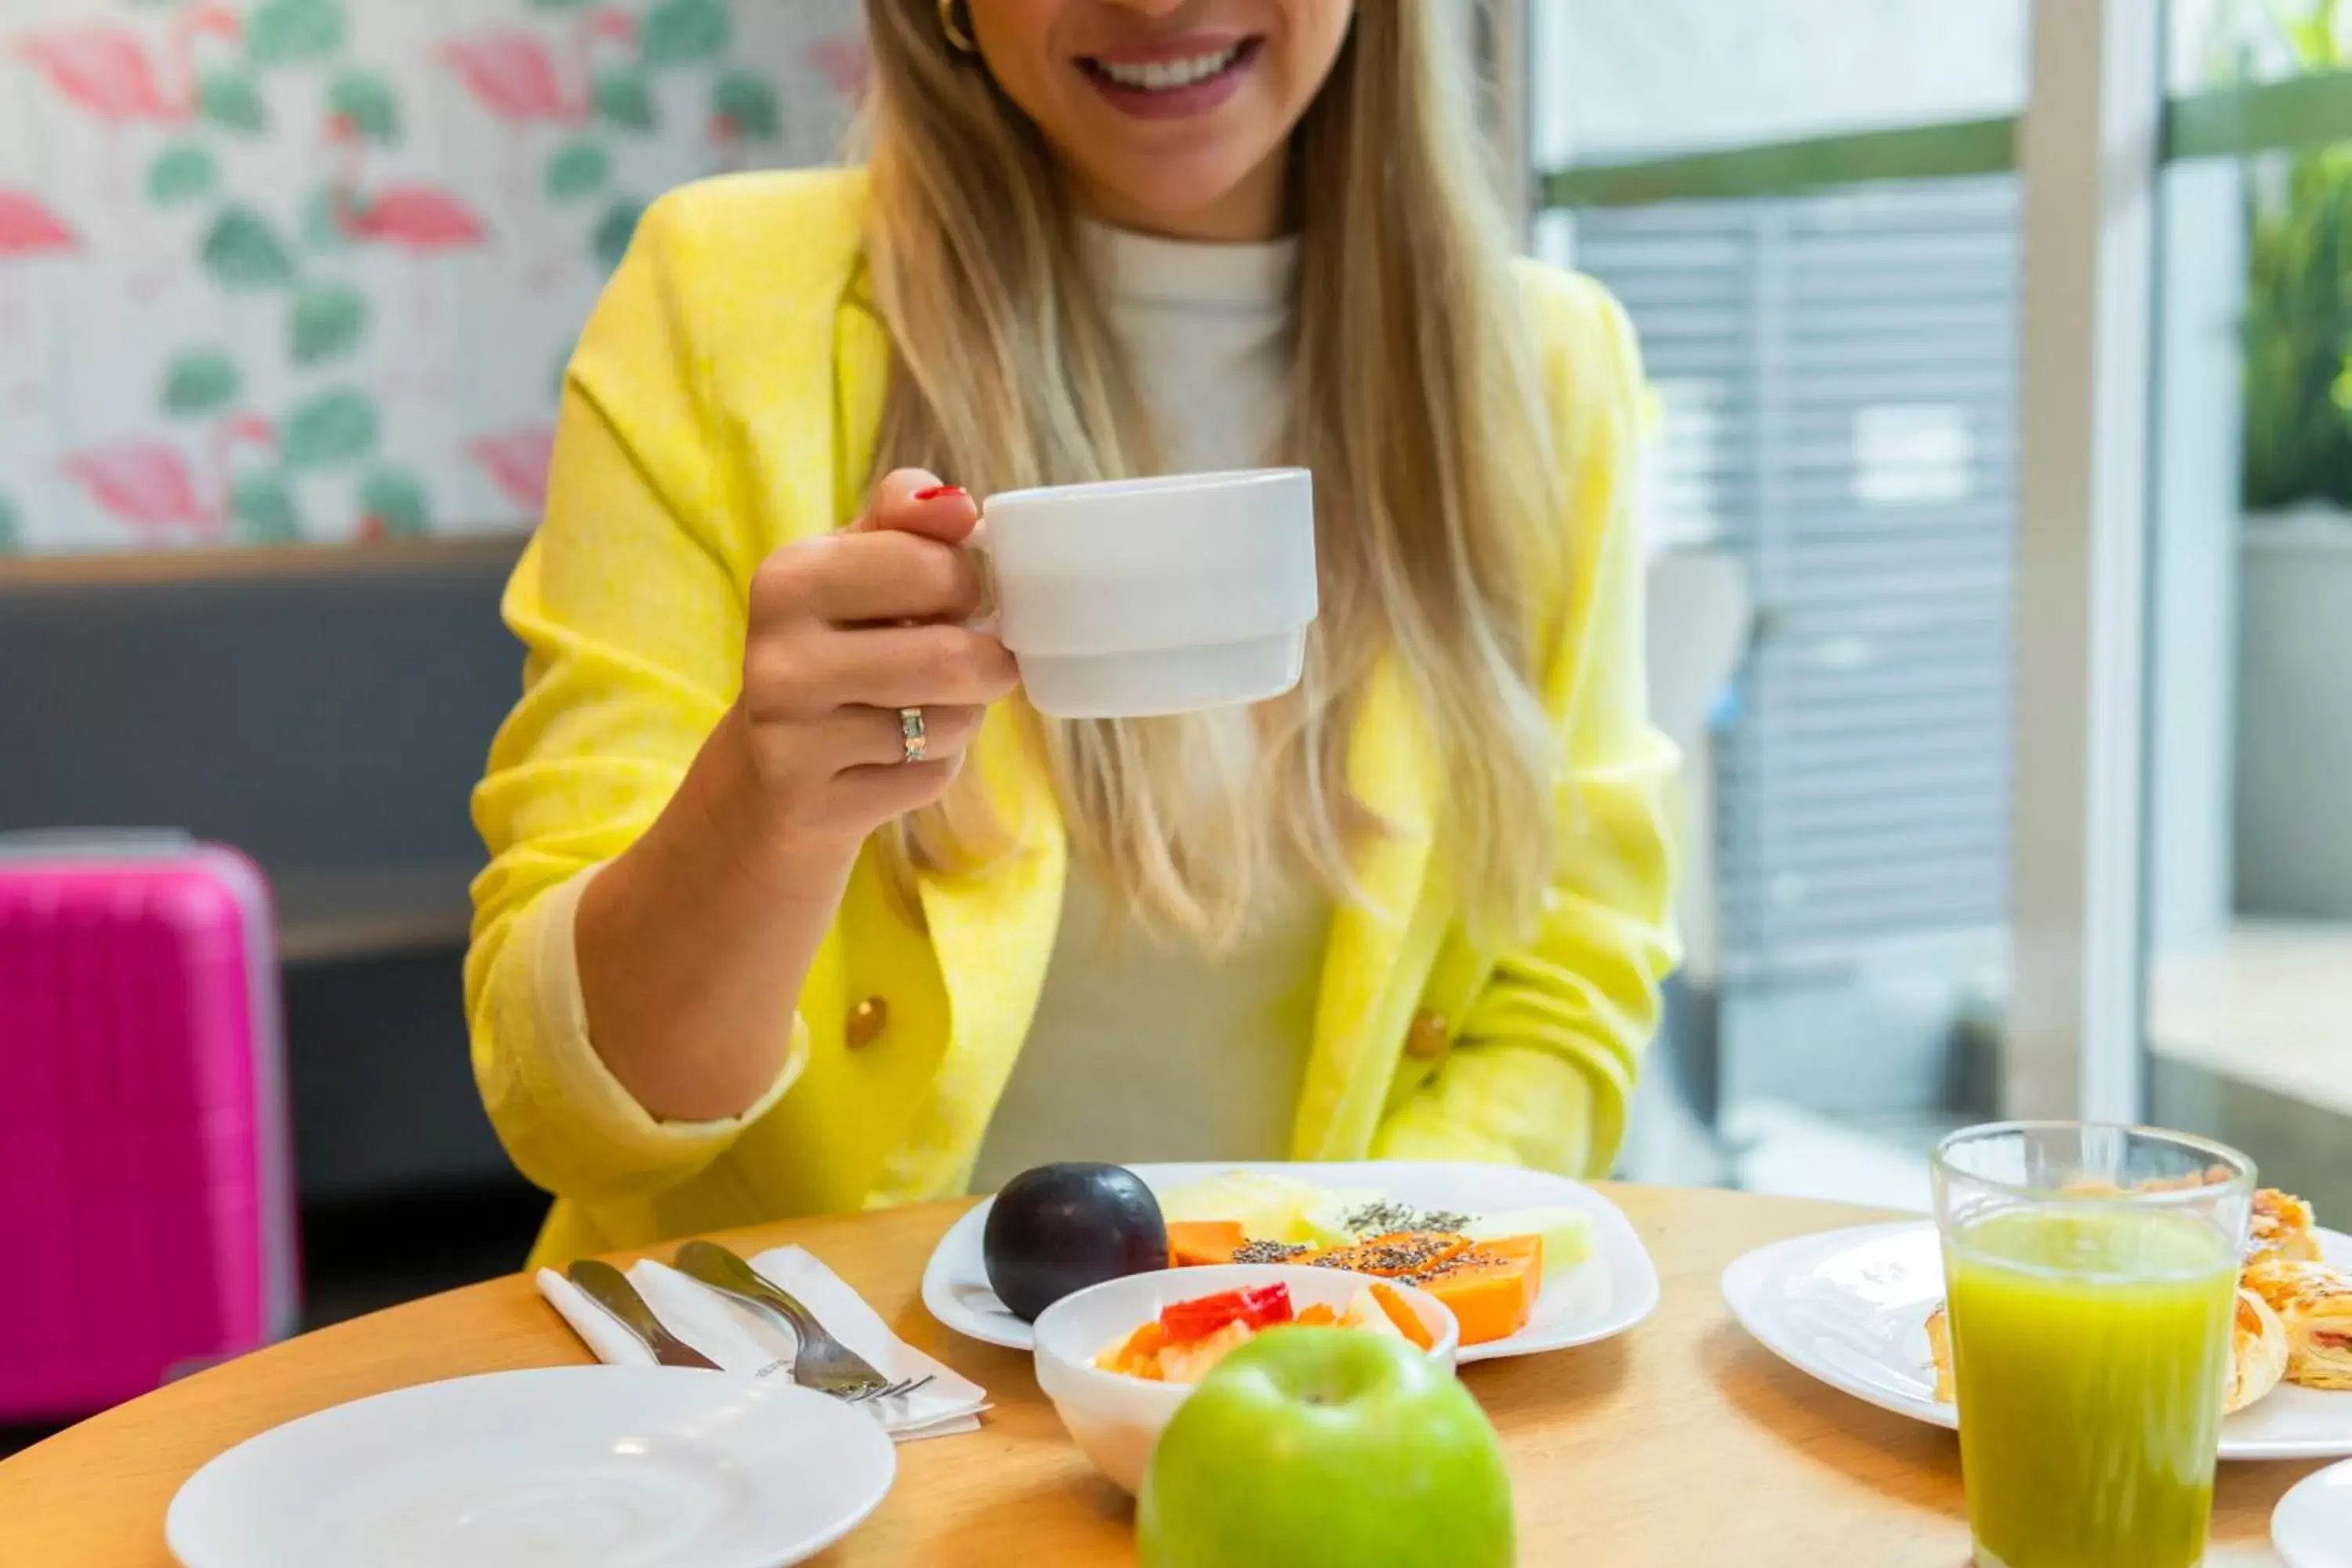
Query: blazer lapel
x,y
992,936
1378,945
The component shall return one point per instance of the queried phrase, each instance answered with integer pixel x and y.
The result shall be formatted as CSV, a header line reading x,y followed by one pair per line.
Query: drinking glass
x,y
2091,1271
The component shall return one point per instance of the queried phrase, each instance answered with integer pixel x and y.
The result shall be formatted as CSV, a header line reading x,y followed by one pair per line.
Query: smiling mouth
x,y
1172,76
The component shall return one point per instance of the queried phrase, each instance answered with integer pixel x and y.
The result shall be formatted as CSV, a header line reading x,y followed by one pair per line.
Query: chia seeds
x,y
1268,1252
1391,1255
1381,1218
1471,1257
1388,1217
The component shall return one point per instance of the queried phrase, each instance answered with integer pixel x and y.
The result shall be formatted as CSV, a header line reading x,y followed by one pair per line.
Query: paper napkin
x,y
745,1340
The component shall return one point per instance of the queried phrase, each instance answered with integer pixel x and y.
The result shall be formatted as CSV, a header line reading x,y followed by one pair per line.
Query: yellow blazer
x,y
723,402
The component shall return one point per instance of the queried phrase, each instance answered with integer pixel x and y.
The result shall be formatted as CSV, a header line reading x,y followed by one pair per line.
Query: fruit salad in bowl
x,y
1189,1338
1117,1359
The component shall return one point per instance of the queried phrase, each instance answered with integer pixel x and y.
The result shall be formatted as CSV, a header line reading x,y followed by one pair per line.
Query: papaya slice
x,y
1407,1321
1490,1286
1193,1243
1401,1255
1317,1316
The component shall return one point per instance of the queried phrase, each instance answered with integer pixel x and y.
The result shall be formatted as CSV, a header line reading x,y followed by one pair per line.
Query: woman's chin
x,y
1202,199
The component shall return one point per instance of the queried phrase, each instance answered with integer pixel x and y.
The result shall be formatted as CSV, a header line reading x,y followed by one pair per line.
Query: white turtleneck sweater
x,y
1146,1048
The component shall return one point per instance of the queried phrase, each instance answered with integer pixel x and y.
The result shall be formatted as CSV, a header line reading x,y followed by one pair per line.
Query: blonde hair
x,y
1415,399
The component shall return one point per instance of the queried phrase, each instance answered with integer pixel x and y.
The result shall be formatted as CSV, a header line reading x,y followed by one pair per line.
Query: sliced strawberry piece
x,y
1260,1307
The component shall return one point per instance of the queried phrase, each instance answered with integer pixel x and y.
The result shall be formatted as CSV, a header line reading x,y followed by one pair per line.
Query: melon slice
x,y
1567,1235
1489,1286
1270,1208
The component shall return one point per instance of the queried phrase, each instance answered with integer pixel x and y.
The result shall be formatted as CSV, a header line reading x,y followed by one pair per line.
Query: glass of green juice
x,y
2091,1271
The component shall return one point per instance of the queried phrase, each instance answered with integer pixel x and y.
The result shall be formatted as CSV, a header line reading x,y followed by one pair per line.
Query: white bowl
x,y
1114,1419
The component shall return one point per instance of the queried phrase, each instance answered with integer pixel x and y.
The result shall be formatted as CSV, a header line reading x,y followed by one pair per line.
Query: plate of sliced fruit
x,y
1524,1261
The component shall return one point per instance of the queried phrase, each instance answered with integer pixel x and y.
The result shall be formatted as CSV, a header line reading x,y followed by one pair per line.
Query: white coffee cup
x,y
1133,598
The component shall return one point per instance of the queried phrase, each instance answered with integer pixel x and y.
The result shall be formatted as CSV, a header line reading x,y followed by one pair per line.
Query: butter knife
x,y
609,1288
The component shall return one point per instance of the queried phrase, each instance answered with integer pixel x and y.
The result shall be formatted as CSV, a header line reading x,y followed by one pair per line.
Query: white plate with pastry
x,y
1597,1281
1852,1308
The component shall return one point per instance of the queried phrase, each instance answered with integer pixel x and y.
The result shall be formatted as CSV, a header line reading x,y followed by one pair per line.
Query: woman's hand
x,y
847,630
694,944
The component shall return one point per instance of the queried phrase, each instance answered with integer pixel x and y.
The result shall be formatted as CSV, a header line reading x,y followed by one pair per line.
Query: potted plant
x,y
2294,779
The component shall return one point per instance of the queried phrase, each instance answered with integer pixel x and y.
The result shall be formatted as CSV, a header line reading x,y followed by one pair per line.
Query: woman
x,y
747,950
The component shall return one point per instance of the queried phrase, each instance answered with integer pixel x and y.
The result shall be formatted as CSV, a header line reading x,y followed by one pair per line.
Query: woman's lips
x,y
1173,81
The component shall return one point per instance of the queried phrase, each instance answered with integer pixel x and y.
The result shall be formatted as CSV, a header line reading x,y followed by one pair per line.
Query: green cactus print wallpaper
x,y
279,271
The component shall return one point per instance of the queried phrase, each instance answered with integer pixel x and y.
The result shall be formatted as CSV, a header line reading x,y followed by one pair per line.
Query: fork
x,y
819,1361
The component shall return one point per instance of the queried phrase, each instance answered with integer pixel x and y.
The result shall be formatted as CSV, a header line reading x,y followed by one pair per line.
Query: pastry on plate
x,y
2282,1229
1939,1346
2315,1301
2258,1351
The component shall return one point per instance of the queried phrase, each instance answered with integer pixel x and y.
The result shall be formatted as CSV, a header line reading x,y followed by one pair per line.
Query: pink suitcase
x,y
146,1183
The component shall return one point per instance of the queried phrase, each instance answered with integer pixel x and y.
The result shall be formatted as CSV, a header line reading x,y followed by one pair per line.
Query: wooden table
x,y
1683,1442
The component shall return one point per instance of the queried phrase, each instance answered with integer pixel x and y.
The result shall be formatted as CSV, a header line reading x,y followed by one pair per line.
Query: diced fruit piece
x,y
1258,1307
1318,1316
1405,1253
1144,1343
1190,1363
1365,1314
1194,1242
1399,1312
1490,1286
1139,1355
1567,1235
1272,1207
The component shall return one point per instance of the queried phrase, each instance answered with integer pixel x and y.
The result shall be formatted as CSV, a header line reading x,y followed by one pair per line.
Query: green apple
x,y
1325,1448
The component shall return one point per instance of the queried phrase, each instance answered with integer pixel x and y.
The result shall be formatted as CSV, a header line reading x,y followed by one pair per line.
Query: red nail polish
x,y
938,491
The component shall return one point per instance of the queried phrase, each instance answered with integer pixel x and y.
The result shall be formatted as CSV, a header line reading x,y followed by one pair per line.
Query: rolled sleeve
x,y
589,1121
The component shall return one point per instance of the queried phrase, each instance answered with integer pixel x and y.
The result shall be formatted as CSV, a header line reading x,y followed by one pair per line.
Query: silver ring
x,y
910,732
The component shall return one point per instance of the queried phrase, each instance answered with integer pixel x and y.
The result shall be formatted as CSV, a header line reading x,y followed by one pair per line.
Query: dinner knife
x,y
609,1288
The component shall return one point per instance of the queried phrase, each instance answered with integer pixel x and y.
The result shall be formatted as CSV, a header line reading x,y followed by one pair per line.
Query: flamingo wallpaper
x,y
278,272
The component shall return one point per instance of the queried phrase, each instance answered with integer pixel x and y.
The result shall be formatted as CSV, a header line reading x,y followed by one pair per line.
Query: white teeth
x,y
1161,75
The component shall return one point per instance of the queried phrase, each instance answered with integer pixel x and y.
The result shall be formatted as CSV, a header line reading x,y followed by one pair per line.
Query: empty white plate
x,y
2312,1526
591,1467
1606,1294
1851,1307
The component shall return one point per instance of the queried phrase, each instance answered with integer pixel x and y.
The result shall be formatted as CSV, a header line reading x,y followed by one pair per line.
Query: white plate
x,y
2312,1526
591,1467
1608,1292
1851,1307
